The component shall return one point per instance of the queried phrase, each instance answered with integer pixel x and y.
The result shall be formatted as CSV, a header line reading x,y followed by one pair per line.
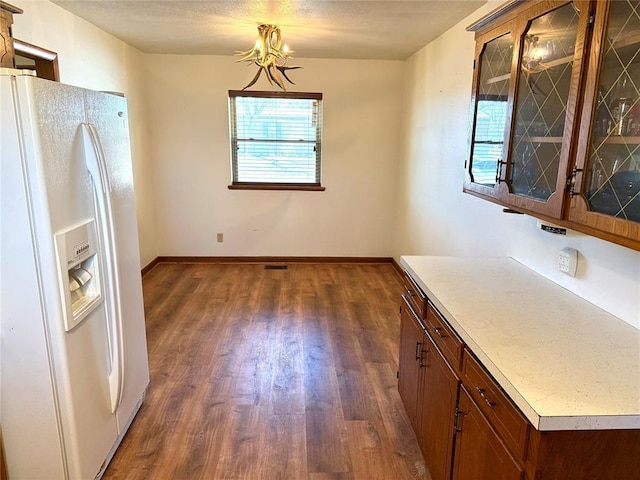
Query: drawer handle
x,y
439,332
484,397
411,293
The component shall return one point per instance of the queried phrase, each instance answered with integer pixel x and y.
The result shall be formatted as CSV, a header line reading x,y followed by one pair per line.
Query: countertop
x,y
567,364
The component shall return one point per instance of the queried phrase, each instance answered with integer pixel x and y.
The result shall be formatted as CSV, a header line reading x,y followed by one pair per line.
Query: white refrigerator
x,y
73,351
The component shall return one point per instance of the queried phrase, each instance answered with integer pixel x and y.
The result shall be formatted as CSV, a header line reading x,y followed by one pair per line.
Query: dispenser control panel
x,y
79,271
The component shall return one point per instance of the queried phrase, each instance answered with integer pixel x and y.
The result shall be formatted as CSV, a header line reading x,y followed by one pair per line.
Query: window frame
x,y
236,185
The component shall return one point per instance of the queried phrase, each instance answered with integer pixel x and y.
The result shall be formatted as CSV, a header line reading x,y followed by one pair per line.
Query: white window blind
x,y
276,137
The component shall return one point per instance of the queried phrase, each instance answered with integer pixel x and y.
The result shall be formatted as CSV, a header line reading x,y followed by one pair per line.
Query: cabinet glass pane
x,y
491,109
613,165
541,102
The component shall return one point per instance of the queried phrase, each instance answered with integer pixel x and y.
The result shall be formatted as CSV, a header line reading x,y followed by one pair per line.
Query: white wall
x,y
188,120
434,217
90,58
186,125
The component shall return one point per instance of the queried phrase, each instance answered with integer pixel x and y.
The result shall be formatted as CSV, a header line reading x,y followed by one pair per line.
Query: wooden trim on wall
x,y
3,467
398,268
46,60
263,94
501,12
281,260
150,266
269,260
276,186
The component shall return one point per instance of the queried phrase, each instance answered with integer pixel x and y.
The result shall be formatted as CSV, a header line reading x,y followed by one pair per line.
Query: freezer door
x,y
107,114
28,407
59,195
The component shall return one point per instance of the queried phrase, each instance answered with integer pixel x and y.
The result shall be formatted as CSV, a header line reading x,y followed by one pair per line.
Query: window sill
x,y
276,186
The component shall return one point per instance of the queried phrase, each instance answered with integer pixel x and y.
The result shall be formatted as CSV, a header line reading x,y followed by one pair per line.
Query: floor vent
x,y
276,267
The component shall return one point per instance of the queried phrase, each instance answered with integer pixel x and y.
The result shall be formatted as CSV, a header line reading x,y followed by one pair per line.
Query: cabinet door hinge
x,y
474,63
397,373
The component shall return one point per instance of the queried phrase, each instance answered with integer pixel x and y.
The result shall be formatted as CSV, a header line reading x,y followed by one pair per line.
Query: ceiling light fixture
x,y
270,55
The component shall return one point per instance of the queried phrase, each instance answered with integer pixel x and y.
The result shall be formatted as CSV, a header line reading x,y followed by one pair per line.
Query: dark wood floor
x,y
271,374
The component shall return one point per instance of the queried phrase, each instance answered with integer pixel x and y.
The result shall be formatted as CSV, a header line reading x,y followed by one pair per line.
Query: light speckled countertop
x,y
566,363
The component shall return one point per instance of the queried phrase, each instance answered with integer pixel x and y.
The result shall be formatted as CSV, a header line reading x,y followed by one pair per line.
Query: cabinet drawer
x,y
444,337
414,294
497,407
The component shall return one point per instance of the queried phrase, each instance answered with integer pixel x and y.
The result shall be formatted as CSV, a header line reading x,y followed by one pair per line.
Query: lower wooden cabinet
x,y
409,369
456,439
583,454
429,390
510,425
438,415
479,452
468,428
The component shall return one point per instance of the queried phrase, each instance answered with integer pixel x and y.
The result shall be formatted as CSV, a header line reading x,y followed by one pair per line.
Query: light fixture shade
x,y
270,55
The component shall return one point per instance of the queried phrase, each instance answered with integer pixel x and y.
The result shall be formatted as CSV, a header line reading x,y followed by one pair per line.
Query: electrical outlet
x,y
568,261
220,238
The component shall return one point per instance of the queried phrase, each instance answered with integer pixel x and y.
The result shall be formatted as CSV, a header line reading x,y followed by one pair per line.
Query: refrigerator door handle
x,y
95,162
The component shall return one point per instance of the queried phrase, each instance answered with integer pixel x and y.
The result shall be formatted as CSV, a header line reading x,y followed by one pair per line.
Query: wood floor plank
x,y
286,448
287,388
327,442
271,374
369,458
321,383
331,476
397,429
255,372
356,396
242,449
204,433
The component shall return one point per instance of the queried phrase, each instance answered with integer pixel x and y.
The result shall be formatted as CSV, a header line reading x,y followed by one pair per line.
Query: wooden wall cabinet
x,y
6,38
556,114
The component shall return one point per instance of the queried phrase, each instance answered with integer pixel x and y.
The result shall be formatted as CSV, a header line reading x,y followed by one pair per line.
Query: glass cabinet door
x,y
491,107
545,98
607,173
526,91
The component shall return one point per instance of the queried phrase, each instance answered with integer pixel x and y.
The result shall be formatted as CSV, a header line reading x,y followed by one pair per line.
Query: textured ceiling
x,y
378,29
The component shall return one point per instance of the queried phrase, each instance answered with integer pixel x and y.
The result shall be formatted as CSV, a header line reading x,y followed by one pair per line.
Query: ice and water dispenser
x,y
79,270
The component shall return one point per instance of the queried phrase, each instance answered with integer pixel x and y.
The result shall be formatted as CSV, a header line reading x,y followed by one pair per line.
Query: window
x,y
275,140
